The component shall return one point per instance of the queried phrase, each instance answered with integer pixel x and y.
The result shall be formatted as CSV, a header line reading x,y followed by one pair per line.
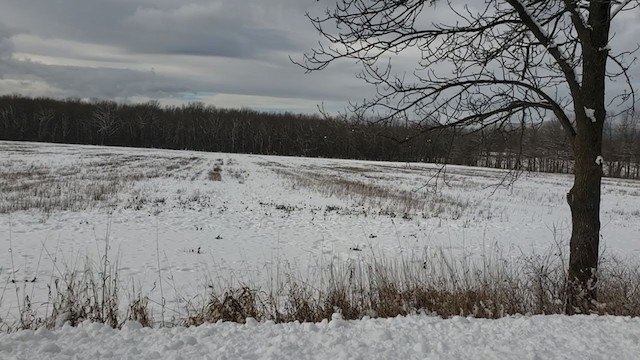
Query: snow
x,y
269,216
182,232
599,160
412,337
591,114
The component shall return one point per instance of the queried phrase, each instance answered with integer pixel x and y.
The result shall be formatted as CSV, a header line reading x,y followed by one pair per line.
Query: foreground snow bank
x,y
415,337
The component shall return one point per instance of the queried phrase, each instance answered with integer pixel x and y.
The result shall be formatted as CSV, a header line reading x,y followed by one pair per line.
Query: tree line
x,y
536,147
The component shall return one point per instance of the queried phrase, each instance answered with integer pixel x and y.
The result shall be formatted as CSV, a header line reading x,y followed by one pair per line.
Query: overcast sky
x,y
229,53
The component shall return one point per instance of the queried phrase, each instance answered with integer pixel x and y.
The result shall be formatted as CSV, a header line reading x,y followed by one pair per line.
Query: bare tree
x,y
105,119
500,62
7,117
43,118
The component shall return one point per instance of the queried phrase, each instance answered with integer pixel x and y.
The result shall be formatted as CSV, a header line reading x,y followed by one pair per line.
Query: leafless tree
x,y
499,62
105,119
44,117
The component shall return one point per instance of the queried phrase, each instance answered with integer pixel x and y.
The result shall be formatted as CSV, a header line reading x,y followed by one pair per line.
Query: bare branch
x,y
546,40
621,6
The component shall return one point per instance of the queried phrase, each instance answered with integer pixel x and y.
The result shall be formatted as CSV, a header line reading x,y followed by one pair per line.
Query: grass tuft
x,y
215,174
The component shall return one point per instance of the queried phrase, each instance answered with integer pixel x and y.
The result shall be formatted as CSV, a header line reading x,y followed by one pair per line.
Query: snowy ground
x,y
267,214
164,217
415,337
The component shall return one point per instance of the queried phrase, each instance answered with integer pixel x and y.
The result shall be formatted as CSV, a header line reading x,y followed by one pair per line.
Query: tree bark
x,y
584,197
584,201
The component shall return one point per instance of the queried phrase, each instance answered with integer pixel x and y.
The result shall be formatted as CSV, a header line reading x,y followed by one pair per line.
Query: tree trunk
x,y
584,200
584,197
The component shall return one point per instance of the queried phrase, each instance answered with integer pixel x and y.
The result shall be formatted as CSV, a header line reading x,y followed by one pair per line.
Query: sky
x,y
227,53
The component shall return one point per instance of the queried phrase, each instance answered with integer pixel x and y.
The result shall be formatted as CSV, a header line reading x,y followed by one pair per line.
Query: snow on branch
x,y
599,160
591,114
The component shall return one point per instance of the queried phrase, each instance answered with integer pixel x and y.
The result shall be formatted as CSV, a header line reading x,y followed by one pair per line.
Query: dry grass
x,y
139,310
90,292
239,175
80,296
387,200
436,284
441,285
215,174
50,187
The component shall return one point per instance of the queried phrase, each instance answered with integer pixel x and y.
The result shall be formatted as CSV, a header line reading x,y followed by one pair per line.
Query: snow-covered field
x,y
176,222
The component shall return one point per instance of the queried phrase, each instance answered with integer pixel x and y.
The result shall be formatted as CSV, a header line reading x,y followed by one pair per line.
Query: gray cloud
x,y
208,29
6,44
77,81
154,48
182,48
238,28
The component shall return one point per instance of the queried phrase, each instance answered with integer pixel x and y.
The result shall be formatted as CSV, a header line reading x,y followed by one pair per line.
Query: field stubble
x,y
434,280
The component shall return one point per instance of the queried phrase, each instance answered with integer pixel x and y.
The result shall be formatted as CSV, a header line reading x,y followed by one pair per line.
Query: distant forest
x,y
536,147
